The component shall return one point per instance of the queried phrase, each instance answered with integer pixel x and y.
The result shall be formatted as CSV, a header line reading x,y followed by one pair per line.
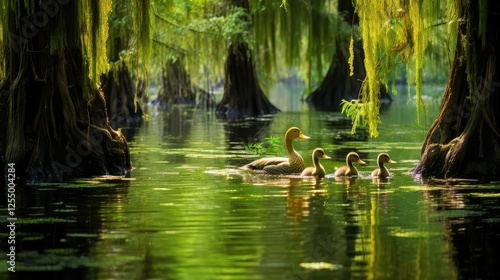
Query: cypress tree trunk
x,y
124,90
337,84
464,140
243,95
242,92
177,88
123,96
56,120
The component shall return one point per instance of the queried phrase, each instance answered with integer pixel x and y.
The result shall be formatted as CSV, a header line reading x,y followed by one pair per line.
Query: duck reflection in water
x,y
303,202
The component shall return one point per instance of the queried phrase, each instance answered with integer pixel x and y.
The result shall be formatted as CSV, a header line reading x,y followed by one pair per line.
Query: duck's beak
x,y
391,161
361,162
302,136
326,157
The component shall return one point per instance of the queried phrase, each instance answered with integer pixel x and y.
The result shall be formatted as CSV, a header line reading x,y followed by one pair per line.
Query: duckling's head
x,y
293,133
354,157
320,153
384,157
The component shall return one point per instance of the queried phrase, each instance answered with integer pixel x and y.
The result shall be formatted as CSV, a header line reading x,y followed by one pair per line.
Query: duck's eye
x,y
320,152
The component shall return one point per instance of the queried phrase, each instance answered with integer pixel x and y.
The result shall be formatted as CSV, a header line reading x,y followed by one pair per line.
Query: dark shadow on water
x,y
341,126
471,218
243,131
177,122
340,155
58,227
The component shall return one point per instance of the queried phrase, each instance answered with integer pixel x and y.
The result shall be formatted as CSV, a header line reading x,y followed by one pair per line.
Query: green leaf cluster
x,y
272,146
354,109
200,33
395,33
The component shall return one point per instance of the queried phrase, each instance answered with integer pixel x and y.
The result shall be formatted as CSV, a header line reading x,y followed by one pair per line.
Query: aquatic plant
x,y
272,146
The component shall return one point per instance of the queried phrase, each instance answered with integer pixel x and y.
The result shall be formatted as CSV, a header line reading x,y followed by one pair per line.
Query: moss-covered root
x,y
461,158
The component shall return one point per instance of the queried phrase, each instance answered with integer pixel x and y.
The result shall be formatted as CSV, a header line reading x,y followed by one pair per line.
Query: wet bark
x,y
243,95
55,117
464,140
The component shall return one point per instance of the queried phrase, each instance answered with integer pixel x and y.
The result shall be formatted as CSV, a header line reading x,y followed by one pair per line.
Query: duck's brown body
x,y
294,163
349,170
382,171
317,170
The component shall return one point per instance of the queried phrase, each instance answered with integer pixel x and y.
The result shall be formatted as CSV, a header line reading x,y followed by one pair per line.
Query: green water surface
x,y
187,211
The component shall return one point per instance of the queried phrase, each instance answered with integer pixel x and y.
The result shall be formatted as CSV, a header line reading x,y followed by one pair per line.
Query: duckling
x,y
382,171
318,170
349,169
294,163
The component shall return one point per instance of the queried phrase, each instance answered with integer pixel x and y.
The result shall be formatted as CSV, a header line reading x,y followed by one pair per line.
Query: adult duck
x,y
349,170
294,163
317,170
381,171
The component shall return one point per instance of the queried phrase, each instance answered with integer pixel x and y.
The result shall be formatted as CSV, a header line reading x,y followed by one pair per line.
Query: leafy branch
x,y
354,109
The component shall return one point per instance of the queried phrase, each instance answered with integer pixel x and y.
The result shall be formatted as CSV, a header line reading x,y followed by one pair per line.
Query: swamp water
x,y
187,212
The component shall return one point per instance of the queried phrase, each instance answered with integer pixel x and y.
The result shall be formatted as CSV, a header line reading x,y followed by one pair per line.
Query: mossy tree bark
x,y
464,140
56,120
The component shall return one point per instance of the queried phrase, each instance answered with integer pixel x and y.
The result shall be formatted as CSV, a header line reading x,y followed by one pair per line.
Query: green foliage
x,y
397,32
354,110
351,57
93,19
272,146
255,148
142,31
130,37
297,35
200,32
86,29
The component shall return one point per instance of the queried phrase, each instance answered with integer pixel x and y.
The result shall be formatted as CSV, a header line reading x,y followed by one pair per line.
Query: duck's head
x,y
320,153
354,157
384,157
293,133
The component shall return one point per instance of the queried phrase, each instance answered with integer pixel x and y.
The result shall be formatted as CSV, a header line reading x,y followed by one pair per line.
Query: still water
x,y
187,212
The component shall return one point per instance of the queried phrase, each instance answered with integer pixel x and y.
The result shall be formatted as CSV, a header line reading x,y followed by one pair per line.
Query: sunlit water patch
x,y
188,212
